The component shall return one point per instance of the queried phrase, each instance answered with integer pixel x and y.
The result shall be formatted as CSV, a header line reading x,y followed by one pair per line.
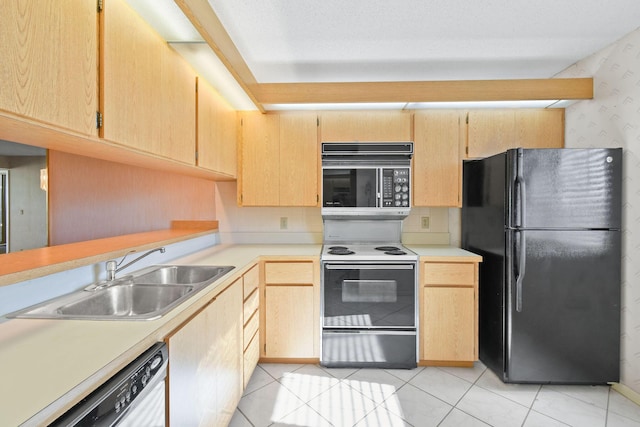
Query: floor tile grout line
x,y
474,383
606,415
531,406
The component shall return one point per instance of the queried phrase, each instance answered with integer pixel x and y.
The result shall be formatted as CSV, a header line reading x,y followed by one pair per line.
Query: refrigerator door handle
x,y
521,252
520,191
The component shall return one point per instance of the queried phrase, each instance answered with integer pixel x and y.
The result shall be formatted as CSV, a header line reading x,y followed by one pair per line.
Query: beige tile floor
x,y
309,395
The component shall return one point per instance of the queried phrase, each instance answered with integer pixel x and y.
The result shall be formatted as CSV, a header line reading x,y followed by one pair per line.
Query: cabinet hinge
x,y
99,119
265,349
467,118
318,121
196,156
100,5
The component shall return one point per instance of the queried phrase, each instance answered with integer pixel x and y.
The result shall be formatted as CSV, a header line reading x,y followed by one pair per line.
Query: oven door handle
x,y
369,266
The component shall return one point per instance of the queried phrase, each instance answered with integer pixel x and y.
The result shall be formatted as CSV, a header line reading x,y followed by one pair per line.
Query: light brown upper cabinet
x,y
365,126
494,131
148,92
49,62
216,134
278,159
437,160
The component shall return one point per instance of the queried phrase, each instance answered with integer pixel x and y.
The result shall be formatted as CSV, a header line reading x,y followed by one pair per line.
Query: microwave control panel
x,y
395,187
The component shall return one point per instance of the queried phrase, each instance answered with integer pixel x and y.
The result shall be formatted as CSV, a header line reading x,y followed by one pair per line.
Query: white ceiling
x,y
288,41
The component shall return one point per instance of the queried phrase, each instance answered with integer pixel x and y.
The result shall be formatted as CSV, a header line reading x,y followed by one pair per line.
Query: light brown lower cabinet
x,y
251,317
291,310
206,363
449,313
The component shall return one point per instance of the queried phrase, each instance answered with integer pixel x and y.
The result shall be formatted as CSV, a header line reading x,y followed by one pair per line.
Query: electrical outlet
x,y
425,222
284,223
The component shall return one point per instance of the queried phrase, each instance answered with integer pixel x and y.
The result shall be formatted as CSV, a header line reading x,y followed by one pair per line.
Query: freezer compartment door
x,y
370,349
564,188
563,307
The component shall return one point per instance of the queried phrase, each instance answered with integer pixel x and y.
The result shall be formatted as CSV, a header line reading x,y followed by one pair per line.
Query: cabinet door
x,y
449,324
367,126
205,369
216,131
148,90
259,179
539,128
437,159
490,132
48,70
289,322
299,159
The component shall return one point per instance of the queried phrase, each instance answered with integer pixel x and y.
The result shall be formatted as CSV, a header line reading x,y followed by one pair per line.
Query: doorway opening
x,y
4,208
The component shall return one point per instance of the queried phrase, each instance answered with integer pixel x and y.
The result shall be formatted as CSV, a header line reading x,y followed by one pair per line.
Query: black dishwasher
x,y
135,396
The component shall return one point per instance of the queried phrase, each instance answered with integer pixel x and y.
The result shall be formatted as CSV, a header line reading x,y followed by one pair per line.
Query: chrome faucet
x,y
112,266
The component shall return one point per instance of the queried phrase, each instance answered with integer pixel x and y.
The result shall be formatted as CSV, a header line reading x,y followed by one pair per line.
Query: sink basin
x,y
146,295
127,300
181,274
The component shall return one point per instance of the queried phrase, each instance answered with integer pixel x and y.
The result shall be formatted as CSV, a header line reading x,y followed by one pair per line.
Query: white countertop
x,y
47,365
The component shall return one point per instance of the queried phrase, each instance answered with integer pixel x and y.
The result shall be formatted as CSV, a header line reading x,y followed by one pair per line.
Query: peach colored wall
x,y
90,199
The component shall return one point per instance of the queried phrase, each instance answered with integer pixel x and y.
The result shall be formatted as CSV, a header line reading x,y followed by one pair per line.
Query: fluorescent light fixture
x,y
167,19
345,106
209,67
483,104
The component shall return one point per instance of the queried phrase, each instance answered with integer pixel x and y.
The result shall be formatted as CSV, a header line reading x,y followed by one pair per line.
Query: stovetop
x,y
364,252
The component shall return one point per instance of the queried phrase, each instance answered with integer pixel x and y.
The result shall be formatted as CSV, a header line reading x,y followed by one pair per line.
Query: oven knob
x,y
134,389
405,196
398,188
405,203
397,196
405,188
117,406
398,203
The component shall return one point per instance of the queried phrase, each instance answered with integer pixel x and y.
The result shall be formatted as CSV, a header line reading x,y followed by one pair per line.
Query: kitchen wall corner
x,y
610,119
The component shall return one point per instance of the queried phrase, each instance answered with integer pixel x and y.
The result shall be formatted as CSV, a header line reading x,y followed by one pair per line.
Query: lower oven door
x,y
369,295
375,349
369,315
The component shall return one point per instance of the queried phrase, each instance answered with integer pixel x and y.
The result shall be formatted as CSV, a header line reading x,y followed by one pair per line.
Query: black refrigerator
x,y
547,224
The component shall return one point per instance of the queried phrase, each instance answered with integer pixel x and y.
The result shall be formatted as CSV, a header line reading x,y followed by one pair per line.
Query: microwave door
x,y
349,188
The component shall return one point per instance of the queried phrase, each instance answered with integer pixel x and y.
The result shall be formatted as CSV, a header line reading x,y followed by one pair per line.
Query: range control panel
x,y
395,187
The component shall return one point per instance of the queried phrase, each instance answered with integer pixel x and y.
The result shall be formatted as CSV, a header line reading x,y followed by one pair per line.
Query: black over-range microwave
x,y
366,179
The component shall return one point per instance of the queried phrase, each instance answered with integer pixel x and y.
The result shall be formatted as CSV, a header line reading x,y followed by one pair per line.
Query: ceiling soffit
x,y
203,17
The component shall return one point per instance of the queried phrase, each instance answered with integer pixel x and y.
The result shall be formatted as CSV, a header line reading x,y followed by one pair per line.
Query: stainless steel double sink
x,y
146,295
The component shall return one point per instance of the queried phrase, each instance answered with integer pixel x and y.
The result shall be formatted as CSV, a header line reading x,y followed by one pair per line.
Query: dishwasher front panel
x,y
134,395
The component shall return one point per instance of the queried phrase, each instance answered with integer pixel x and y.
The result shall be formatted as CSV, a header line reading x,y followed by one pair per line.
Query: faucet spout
x,y
112,266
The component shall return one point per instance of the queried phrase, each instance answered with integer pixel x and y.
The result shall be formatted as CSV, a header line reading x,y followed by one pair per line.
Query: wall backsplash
x,y
612,119
91,199
304,225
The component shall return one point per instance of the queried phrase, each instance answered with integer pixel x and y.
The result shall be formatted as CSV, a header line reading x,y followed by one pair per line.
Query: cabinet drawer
x,y
288,272
251,280
251,356
250,305
454,273
250,329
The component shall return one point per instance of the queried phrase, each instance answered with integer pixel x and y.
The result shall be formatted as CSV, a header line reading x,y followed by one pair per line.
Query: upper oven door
x,y
375,296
